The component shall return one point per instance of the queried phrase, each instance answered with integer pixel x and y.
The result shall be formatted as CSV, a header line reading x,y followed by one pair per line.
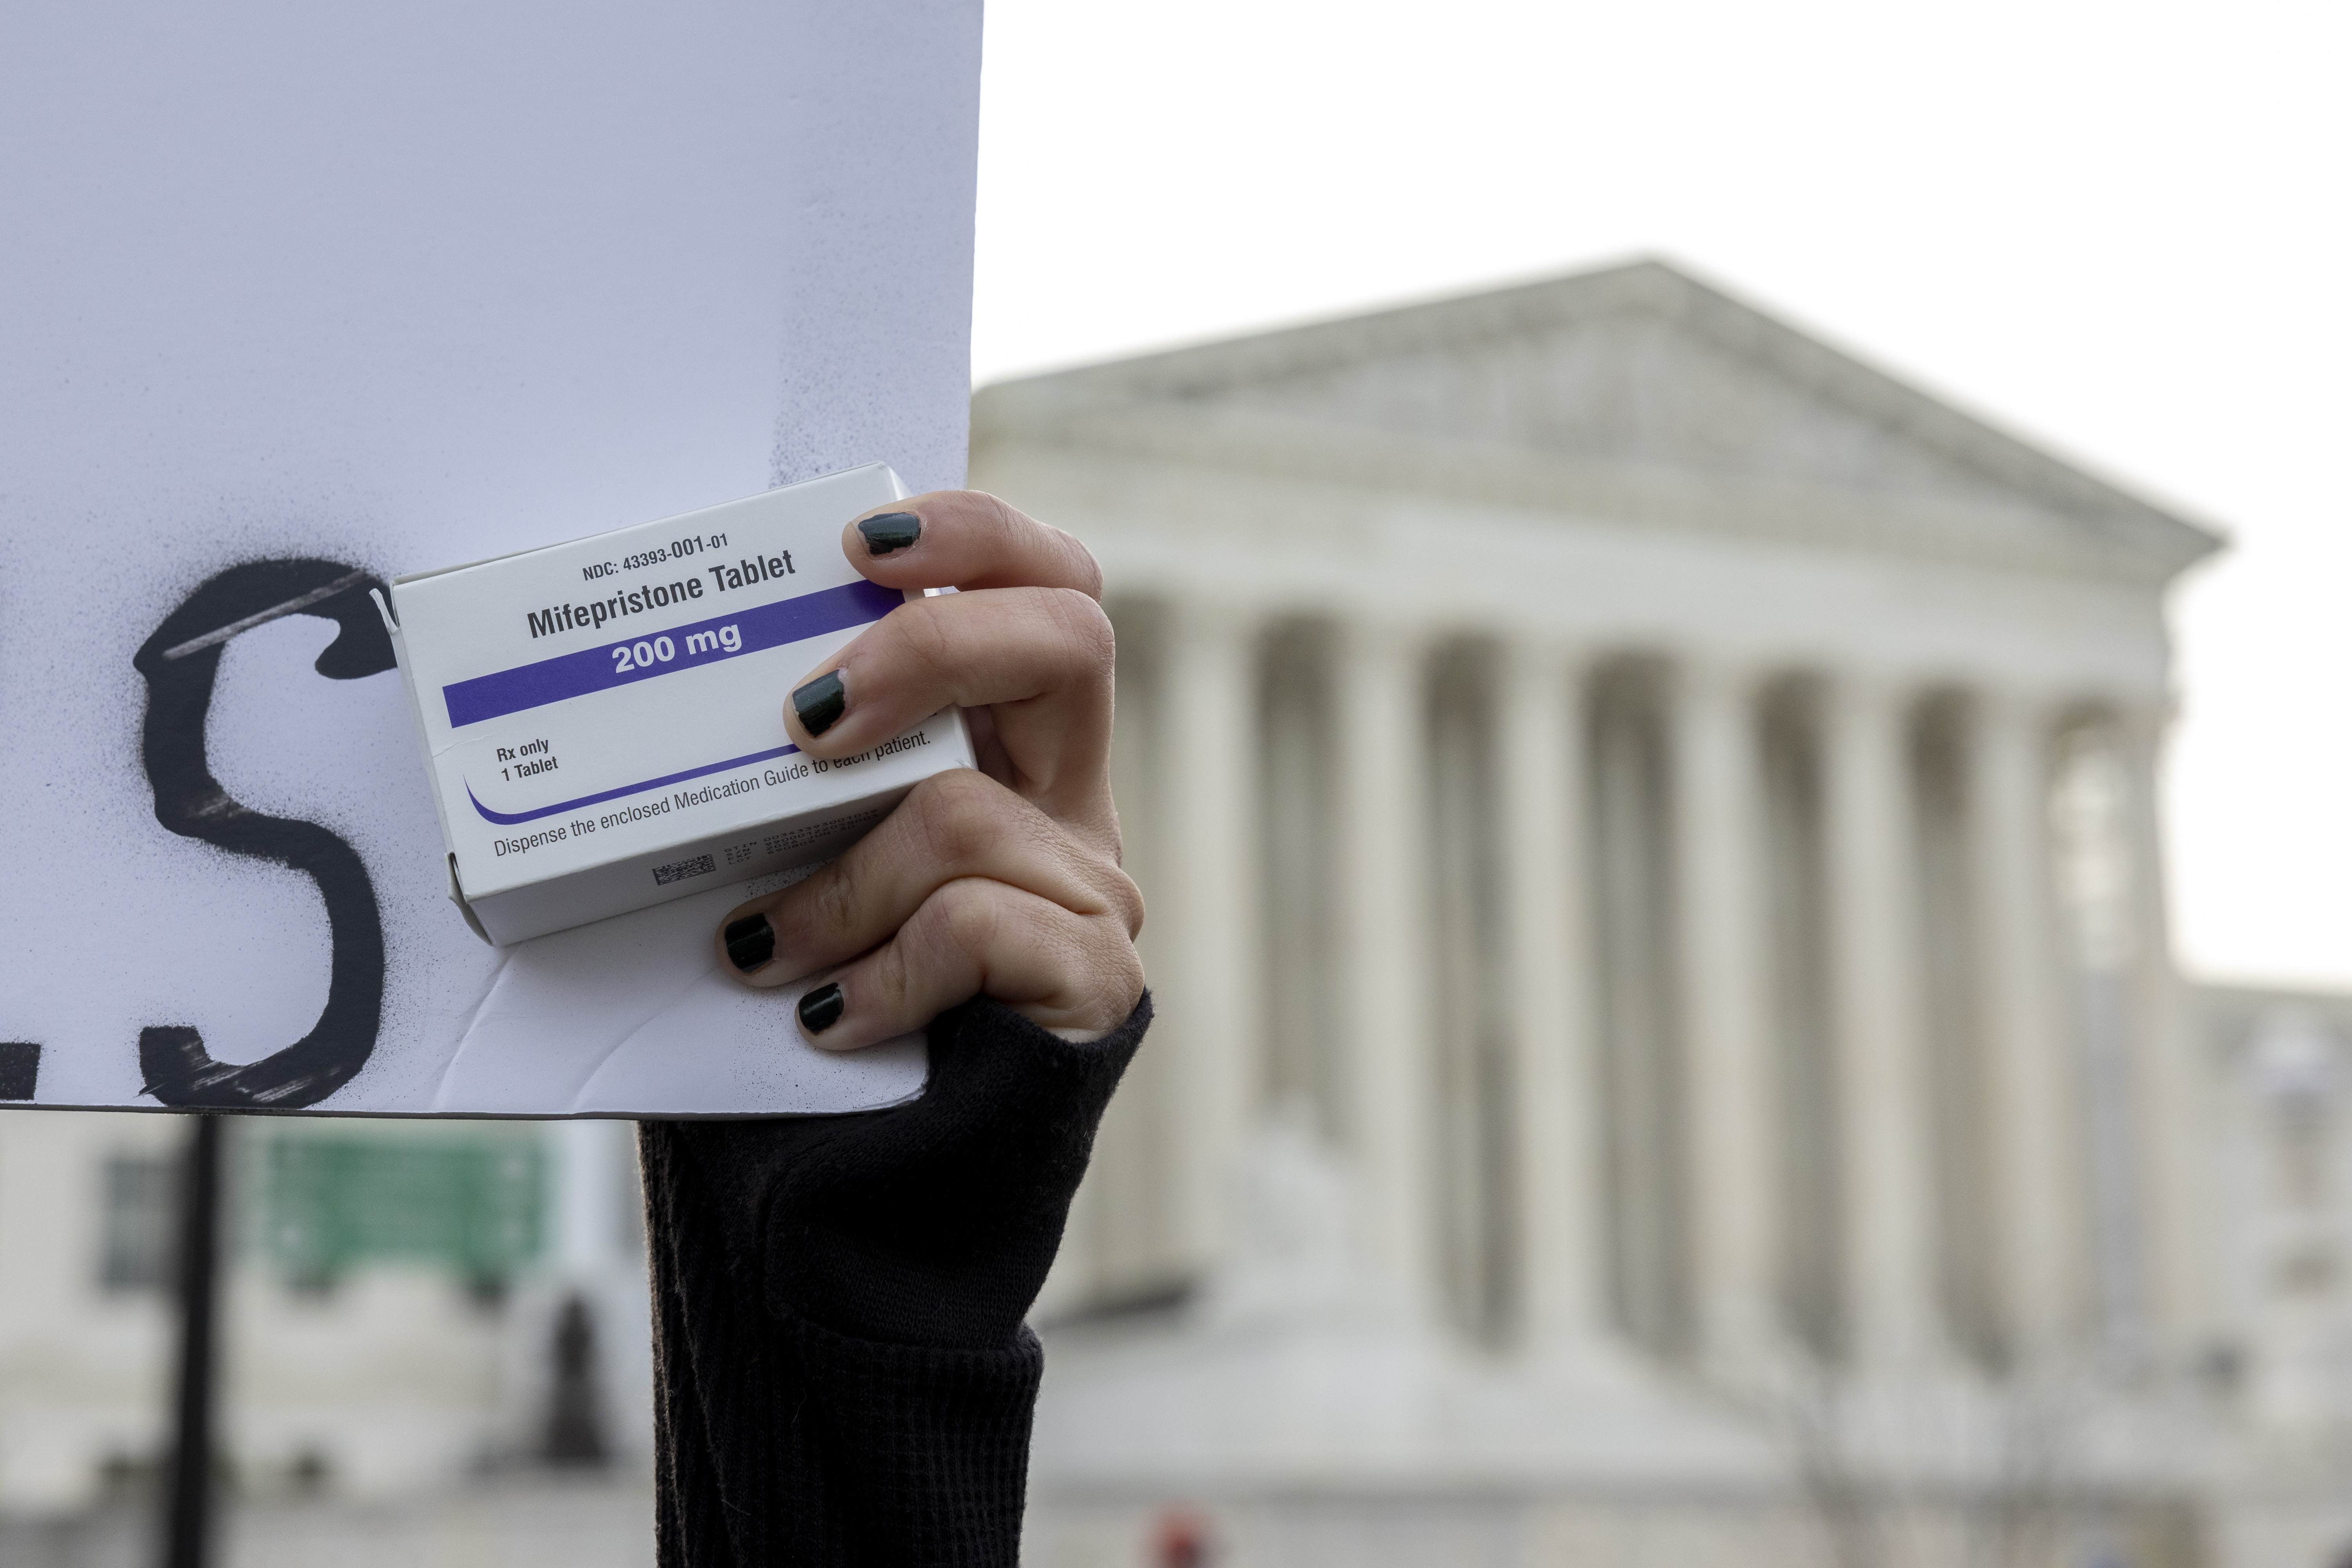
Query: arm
x,y
841,1371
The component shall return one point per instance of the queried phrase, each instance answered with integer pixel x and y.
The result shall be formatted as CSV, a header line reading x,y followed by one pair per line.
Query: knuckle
x,y
1103,978
923,636
1128,966
888,978
1086,571
959,919
962,816
1127,903
995,523
1012,528
967,915
968,507
1001,516
945,791
830,905
1093,642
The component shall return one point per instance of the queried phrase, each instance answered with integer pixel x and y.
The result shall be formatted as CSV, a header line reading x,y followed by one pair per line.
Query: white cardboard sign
x,y
298,297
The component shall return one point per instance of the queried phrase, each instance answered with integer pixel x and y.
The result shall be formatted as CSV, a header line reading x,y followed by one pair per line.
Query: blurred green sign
x,y
331,1203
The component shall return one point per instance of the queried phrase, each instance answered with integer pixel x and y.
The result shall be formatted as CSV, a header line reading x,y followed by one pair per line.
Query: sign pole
x,y
186,1534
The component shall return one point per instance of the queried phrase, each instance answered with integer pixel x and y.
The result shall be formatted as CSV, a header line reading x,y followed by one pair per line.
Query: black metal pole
x,y
186,1534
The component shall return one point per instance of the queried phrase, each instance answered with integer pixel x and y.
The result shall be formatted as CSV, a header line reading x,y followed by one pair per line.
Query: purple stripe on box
x,y
756,627
509,819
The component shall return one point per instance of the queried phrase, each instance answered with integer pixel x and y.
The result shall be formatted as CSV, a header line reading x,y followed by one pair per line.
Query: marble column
x,y
1890,1216
2177,1116
2038,1162
1726,1005
1206,994
1383,907
1562,1177
2091,838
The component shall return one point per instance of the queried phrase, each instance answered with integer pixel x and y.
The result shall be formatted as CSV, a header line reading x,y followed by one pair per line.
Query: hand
x,y
1003,882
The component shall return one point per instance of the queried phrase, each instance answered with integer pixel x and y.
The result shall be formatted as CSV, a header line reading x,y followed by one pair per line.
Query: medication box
x,y
604,720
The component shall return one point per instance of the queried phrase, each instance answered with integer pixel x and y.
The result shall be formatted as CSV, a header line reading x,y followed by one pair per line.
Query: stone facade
x,y
1669,1046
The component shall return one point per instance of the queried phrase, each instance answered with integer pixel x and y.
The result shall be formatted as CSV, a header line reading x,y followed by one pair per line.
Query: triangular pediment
x,y
1636,389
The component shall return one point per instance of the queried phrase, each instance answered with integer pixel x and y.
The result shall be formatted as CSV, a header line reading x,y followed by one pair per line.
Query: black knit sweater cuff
x,y
844,1373
934,1223
939,1439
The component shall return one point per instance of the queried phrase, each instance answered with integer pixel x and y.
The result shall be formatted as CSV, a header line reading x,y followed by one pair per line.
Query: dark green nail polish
x,y
821,703
891,531
821,1009
751,942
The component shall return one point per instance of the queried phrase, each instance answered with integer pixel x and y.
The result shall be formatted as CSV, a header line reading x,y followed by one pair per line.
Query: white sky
x,y
2121,229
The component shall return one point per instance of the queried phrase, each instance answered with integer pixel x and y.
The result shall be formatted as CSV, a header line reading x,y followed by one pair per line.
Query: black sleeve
x,y
840,1371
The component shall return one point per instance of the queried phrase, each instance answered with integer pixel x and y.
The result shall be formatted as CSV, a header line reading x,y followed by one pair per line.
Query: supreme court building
x,y
1668,1050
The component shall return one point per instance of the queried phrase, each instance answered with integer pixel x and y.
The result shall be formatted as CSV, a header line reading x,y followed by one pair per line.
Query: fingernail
x,y
821,703
891,531
751,942
821,1009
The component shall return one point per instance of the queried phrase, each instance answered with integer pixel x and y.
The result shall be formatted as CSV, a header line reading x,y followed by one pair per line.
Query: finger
x,y
1041,656
1076,976
963,538
953,825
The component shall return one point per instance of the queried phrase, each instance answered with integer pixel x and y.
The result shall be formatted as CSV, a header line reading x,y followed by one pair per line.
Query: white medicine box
x,y
604,720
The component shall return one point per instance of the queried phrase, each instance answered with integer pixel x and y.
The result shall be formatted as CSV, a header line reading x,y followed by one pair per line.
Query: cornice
x,y
2114,533
1924,527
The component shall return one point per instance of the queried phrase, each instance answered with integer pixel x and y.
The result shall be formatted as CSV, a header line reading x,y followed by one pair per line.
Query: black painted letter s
x,y
179,662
